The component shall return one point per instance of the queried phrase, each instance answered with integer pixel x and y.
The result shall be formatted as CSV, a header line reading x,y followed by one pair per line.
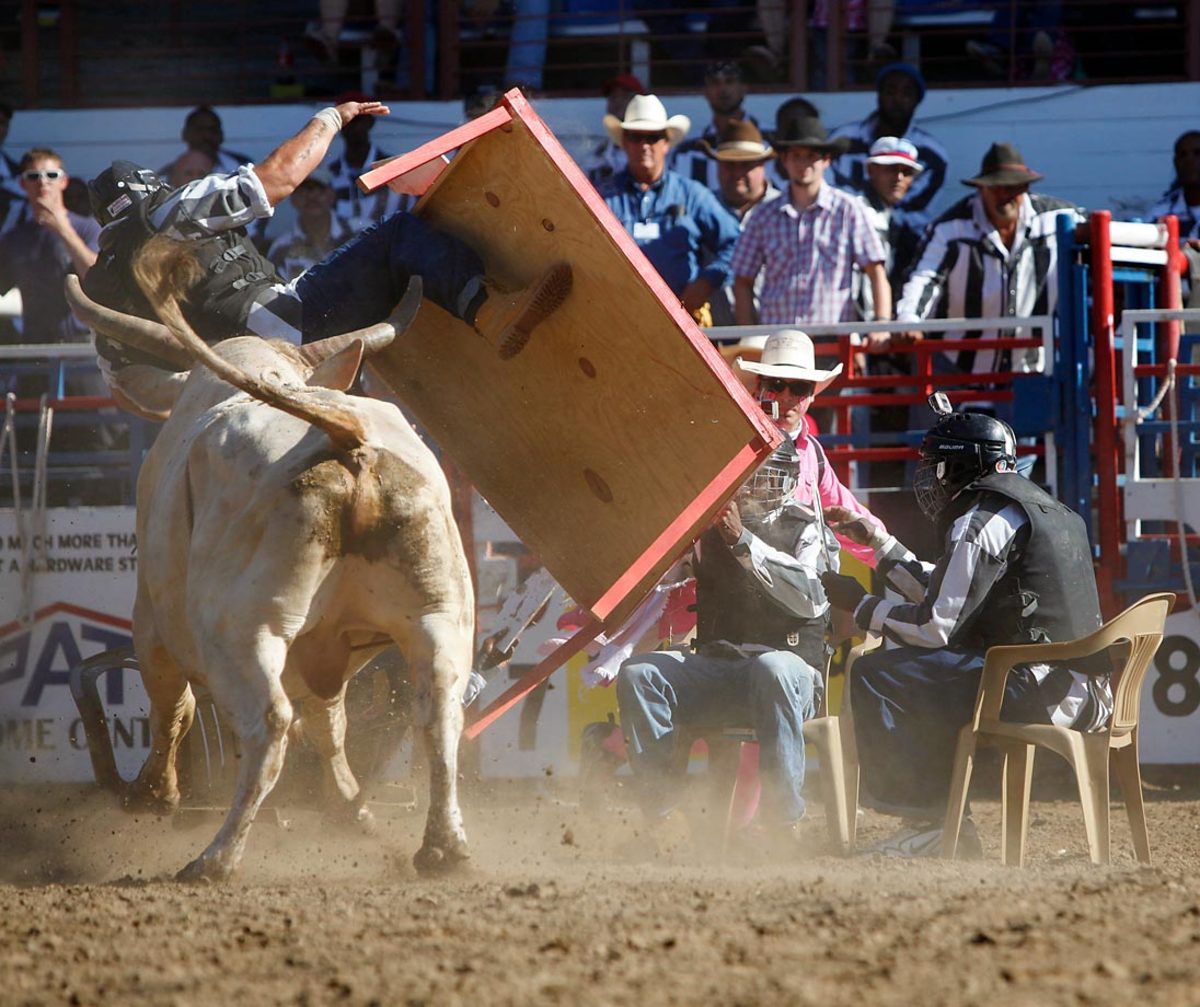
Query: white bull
x,y
280,551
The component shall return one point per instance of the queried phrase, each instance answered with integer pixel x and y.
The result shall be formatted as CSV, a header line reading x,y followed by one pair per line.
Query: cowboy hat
x,y
1003,165
789,354
646,114
740,140
746,348
808,131
895,150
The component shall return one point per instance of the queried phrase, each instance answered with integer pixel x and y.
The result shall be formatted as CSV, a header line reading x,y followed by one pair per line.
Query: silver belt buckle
x,y
793,639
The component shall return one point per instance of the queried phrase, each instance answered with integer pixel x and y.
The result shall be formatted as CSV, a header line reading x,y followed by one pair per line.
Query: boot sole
x,y
553,289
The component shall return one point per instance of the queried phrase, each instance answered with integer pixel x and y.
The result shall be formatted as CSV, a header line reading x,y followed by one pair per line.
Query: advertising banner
x,y
67,584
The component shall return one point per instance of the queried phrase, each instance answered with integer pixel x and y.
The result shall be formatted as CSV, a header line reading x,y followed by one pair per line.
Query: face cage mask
x,y
932,495
766,490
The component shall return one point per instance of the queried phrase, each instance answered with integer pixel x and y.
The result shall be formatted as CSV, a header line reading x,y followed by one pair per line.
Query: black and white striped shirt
x,y
964,270
943,601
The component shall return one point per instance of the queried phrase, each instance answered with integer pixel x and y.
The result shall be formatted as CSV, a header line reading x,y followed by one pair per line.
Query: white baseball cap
x,y
895,150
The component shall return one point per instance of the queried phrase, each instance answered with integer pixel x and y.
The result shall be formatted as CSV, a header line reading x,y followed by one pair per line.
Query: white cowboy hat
x,y
646,114
789,354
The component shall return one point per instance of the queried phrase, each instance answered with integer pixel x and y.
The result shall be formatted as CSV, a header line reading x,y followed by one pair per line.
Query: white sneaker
x,y
924,839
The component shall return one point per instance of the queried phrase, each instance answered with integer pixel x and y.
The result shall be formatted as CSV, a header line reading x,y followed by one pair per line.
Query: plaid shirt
x,y
808,256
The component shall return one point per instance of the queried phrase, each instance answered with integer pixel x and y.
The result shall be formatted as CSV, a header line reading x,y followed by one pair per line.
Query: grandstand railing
x,y
224,52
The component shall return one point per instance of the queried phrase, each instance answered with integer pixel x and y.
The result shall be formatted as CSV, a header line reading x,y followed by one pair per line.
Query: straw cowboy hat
x,y
789,354
646,114
740,140
1003,165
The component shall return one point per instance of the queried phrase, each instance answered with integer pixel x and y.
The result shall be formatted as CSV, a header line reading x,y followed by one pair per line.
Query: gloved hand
x,y
843,592
854,527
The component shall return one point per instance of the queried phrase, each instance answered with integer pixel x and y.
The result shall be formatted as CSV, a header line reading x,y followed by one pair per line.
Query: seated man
x,y
356,285
760,648
1017,569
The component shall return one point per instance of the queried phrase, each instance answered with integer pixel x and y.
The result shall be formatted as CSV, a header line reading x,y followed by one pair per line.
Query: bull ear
x,y
148,392
338,372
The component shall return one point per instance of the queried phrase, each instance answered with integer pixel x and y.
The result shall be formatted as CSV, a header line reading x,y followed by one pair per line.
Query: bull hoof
x,y
434,860
140,802
201,871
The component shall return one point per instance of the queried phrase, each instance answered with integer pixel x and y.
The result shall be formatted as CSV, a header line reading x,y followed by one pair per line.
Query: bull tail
x,y
85,690
165,270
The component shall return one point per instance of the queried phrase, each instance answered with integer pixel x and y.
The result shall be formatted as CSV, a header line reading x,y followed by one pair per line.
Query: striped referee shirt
x,y
943,601
964,270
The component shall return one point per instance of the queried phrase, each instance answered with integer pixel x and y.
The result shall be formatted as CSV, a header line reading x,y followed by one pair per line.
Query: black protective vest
x,y
731,606
235,272
1048,593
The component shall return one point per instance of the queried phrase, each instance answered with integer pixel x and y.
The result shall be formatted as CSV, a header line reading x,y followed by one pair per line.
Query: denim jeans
x,y
664,690
361,281
909,704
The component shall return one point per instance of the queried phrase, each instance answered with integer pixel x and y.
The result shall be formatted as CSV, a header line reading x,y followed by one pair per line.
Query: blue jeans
x,y
773,692
361,281
909,704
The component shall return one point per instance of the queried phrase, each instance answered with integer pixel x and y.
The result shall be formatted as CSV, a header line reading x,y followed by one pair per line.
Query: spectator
x,y
202,132
808,244
323,38
741,156
1017,569
679,224
900,89
358,208
725,92
1183,197
318,231
189,166
761,620
356,286
46,242
992,254
608,156
891,169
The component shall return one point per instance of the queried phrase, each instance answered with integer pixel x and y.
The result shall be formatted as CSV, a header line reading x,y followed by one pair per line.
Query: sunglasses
x,y
36,176
645,137
800,389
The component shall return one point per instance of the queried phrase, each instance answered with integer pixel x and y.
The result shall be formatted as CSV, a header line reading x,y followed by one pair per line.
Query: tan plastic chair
x,y
825,733
849,742
1140,629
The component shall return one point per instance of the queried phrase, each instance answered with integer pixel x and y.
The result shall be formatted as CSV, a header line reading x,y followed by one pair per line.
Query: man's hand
x,y
853,526
350,110
696,294
843,592
50,213
729,522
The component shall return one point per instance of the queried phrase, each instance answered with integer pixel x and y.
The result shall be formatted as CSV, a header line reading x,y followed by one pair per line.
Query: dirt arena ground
x,y
549,913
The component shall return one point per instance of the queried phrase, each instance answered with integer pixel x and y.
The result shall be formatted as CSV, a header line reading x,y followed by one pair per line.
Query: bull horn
x,y
375,337
140,333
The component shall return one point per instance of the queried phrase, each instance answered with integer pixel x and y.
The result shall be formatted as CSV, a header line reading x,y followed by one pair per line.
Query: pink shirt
x,y
831,491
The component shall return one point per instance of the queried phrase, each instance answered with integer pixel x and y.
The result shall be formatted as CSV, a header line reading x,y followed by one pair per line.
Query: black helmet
x,y
957,450
119,187
773,482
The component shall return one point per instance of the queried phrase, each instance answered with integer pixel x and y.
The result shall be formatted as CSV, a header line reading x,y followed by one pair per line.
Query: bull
x,y
287,533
